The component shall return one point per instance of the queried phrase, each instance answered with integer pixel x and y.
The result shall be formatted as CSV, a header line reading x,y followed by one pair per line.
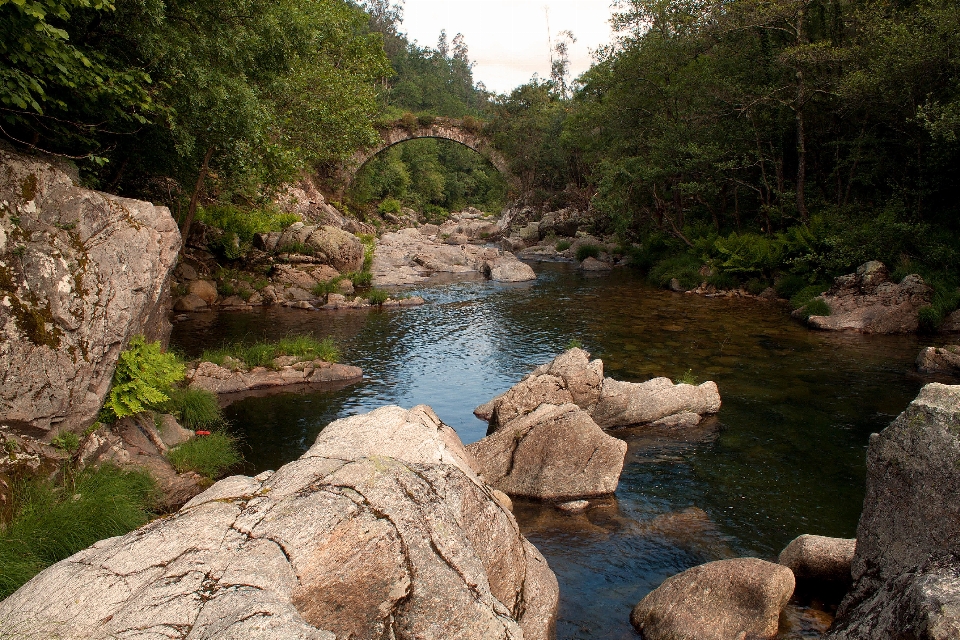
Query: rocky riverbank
x,y
383,528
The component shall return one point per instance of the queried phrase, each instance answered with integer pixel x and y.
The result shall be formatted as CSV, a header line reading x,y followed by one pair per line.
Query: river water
x,y
784,456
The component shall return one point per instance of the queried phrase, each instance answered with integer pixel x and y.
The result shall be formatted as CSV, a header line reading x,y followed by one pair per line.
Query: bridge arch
x,y
441,128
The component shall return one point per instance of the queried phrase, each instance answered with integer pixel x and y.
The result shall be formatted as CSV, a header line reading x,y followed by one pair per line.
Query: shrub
x,y
930,318
815,307
574,344
194,408
426,120
377,297
245,223
142,377
685,267
390,205
50,522
790,285
723,280
756,286
409,121
563,245
471,124
210,456
805,295
361,278
687,378
66,441
585,251
331,286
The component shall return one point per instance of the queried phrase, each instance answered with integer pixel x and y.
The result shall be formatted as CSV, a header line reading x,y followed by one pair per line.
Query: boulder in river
x,y
723,600
944,359
556,452
81,272
573,377
216,379
906,572
626,403
382,529
867,301
335,247
820,559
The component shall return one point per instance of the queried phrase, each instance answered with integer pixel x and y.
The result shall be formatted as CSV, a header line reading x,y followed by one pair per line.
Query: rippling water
x,y
786,456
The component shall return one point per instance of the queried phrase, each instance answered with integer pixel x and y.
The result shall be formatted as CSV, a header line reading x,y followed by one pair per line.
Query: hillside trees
x,y
247,92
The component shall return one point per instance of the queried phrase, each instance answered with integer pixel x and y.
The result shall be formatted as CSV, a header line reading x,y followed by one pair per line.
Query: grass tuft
x,y
262,354
51,522
211,456
377,297
687,378
194,408
587,251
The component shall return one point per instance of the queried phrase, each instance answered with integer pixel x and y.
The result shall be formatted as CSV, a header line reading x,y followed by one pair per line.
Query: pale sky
x,y
507,39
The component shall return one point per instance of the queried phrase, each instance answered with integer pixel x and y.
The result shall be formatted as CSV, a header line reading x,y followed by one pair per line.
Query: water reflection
x,y
785,455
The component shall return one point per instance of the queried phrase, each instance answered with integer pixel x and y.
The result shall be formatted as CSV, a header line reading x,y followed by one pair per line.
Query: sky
x,y
507,39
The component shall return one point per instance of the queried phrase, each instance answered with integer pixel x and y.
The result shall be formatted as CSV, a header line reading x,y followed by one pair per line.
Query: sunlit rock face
x,y
81,272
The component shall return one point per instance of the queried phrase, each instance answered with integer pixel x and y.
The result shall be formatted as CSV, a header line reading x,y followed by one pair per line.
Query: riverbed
x,y
784,456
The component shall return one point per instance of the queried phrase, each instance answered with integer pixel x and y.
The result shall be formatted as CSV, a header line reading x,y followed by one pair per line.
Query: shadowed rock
x,y
869,302
940,360
906,577
381,530
556,452
819,558
723,600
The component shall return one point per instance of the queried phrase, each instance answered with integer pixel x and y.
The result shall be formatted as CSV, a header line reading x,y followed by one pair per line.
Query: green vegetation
x,y
142,379
66,441
194,408
562,245
772,142
240,225
587,251
262,354
815,307
687,378
51,521
377,297
210,456
574,343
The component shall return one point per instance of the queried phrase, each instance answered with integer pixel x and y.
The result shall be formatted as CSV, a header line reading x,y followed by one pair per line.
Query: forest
x,y
780,141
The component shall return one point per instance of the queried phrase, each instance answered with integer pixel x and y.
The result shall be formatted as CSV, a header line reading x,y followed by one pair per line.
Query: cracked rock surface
x,y
81,272
381,530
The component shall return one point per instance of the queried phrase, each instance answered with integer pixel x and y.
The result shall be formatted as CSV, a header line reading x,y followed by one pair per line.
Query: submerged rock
x,y
81,272
553,453
867,301
723,600
381,530
906,574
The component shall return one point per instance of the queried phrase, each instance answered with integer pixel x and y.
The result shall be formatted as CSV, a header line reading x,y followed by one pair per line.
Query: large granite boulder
x,y
869,302
573,377
304,199
335,247
410,256
819,559
553,453
216,379
81,272
944,359
626,403
723,600
381,530
906,573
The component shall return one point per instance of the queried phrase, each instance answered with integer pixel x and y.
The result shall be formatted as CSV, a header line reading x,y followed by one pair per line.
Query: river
x,y
785,455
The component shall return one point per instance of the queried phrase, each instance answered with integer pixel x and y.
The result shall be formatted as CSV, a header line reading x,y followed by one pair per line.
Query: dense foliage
x,y
163,95
142,379
761,137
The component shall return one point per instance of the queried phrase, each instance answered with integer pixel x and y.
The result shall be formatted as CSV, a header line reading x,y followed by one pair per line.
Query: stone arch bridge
x,y
441,128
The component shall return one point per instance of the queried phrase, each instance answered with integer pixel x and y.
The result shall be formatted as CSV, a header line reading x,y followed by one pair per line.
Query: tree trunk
x,y
801,154
192,210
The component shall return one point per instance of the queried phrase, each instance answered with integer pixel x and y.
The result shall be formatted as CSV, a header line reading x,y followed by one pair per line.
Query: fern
x,y
142,376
